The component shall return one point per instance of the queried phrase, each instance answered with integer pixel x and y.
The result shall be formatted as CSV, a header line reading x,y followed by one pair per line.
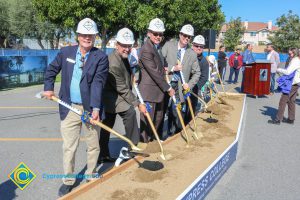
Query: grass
x,y
58,78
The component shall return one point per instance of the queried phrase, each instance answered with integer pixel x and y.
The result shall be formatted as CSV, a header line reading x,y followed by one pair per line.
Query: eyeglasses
x,y
82,60
125,46
157,34
186,36
198,46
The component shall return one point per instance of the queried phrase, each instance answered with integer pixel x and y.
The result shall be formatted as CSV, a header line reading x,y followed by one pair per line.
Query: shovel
x,y
162,155
179,114
187,92
86,117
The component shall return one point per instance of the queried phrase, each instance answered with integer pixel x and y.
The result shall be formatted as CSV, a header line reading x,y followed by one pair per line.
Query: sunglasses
x,y
82,60
157,34
186,36
198,46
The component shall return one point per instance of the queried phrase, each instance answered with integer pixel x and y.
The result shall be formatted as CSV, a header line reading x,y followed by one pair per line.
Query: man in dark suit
x,y
83,75
198,47
118,97
153,85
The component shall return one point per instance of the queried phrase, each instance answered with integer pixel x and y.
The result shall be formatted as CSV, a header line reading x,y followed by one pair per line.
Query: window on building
x,y
264,34
252,33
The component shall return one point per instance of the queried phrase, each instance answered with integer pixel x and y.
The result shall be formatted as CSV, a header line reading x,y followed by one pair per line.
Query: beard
x,y
124,55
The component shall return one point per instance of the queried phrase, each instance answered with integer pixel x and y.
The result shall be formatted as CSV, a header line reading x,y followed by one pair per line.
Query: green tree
x,y
288,34
202,14
109,15
135,14
4,27
233,34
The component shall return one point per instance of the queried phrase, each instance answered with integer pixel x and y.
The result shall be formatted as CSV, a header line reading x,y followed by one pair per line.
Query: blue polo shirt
x,y
76,77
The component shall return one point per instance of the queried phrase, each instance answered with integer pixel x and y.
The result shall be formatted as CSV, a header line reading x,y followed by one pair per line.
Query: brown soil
x,y
152,147
185,165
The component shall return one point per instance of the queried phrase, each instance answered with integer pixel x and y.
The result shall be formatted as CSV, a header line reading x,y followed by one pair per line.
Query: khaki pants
x,y
70,130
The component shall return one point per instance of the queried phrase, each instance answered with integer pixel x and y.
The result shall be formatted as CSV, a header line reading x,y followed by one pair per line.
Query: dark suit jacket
x,y
117,93
152,81
92,81
204,68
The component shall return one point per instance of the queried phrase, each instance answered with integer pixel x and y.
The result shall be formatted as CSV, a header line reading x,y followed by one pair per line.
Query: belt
x,y
79,104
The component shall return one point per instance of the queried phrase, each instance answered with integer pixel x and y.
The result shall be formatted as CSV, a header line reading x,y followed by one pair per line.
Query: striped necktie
x,y
176,74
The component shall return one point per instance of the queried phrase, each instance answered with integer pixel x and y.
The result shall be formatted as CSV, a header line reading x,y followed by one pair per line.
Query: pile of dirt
x,y
152,147
135,194
185,165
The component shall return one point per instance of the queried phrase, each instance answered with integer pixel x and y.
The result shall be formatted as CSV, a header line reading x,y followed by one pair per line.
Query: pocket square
x,y
70,60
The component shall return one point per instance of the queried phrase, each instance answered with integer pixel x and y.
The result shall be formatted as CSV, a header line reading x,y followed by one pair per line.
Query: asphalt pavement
x,y
266,167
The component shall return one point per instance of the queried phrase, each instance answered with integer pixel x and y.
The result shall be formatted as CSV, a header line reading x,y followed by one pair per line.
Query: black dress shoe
x,y
289,121
274,121
106,159
64,189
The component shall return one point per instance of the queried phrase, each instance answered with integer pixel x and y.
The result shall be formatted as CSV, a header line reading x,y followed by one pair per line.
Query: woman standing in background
x,y
222,61
288,84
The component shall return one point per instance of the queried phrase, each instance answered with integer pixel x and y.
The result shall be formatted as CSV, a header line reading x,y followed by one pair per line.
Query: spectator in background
x,y
133,59
247,55
289,58
247,58
288,84
222,61
133,56
273,57
235,63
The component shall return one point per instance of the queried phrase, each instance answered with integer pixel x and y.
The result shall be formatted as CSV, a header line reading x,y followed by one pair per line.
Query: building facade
x,y
256,33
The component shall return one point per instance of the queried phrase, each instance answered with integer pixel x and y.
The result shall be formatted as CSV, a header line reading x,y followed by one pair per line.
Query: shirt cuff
x,y
172,70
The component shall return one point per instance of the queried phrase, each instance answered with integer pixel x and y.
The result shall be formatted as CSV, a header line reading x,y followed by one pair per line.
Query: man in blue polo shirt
x,y
84,70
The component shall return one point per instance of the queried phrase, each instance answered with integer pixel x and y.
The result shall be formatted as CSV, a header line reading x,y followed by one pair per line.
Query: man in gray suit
x,y
180,57
153,85
118,97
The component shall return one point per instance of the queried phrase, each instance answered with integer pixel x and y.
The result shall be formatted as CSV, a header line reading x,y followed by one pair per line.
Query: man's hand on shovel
x,y
142,108
95,117
48,94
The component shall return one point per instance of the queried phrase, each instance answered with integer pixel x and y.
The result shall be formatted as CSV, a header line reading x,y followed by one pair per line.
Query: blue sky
x,y
258,10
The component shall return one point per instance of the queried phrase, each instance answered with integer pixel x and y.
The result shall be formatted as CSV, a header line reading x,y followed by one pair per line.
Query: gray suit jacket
x,y
117,93
190,65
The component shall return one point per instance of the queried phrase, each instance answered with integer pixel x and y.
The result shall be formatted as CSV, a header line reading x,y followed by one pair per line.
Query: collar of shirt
x,y
156,46
79,56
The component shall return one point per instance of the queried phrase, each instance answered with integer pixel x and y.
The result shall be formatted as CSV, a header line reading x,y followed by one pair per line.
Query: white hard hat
x,y
199,39
156,25
212,59
87,26
187,29
125,36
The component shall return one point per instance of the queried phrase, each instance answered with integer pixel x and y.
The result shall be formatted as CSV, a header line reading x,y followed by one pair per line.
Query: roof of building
x,y
252,26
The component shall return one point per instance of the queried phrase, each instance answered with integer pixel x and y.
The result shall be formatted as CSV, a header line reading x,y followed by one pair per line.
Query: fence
x,y
12,75
52,53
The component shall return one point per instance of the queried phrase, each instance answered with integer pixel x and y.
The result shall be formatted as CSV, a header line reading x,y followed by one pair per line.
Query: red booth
x,y
257,78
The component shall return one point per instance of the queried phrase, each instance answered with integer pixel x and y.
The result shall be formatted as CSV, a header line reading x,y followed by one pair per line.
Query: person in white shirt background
x,y
273,57
290,97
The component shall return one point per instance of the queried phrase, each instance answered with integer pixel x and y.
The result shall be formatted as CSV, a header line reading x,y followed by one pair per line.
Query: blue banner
x,y
16,71
202,187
